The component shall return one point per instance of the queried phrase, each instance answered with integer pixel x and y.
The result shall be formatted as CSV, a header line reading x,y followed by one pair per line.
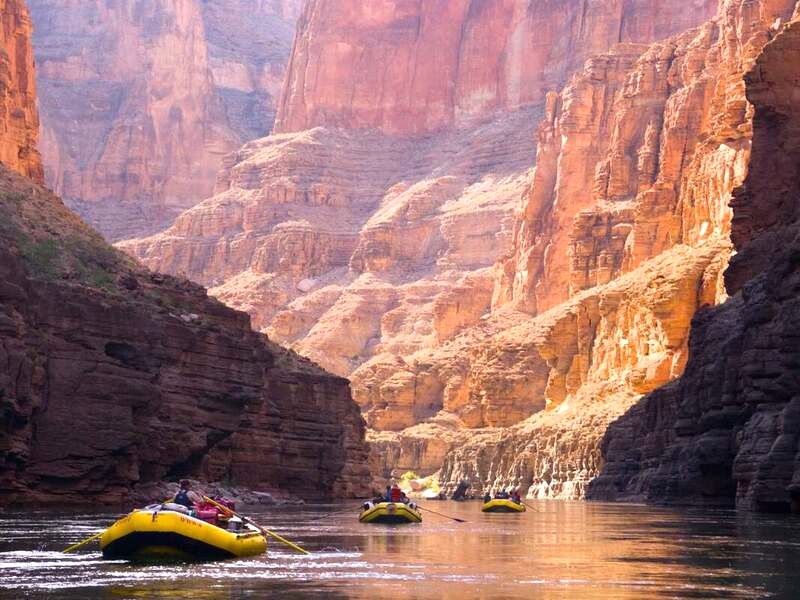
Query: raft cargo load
x,y
500,505
161,533
391,513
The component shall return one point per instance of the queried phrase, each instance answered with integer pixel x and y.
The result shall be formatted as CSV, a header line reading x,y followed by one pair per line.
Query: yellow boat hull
x,y
499,505
391,513
148,535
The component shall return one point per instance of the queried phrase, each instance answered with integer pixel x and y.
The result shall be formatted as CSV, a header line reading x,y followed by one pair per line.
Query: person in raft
x,y
395,494
502,495
487,497
515,497
186,497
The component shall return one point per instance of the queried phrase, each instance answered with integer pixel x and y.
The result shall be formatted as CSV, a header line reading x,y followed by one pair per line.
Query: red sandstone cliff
x,y
409,68
19,121
374,252
140,101
644,204
390,238
113,376
727,431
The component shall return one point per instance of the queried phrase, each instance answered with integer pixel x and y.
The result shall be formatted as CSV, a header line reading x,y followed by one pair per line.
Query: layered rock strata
x,y
407,67
19,120
349,244
637,160
113,377
140,101
368,231
727,431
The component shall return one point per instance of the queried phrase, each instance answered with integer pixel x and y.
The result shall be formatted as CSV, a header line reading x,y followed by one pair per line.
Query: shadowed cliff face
x,y
140,101
113,377
414,67
728,429
19,121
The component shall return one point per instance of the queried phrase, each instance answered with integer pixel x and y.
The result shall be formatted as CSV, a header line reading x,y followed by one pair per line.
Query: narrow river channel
x,y
560,550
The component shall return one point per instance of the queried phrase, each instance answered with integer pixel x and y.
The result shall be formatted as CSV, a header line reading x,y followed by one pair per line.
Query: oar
x,y
84,542
264,532
349,509
529,506
457,520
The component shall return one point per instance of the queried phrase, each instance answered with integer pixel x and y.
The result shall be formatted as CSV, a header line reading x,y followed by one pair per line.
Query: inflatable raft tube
x,y
392,513
499,505
152,535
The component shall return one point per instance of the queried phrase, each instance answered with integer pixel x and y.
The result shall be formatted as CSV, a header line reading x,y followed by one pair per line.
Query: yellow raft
x,y
500,505
165,535
393,513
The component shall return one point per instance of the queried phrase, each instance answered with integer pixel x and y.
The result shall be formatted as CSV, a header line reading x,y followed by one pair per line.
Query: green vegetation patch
x,y
42,257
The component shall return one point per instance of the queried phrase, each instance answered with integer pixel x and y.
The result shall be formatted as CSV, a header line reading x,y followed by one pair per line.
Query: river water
x,y
560,550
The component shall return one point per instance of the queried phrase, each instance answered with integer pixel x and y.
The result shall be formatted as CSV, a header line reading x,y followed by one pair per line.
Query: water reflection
x,y
559,550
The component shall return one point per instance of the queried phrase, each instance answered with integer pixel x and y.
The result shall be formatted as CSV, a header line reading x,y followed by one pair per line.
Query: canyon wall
x,y
409,68
632,185
19,121
114,377
140,101
727,431
364,233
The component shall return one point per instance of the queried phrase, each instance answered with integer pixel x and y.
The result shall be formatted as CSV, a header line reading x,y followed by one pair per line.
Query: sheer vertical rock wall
x,y
141,101
19,120
727,431
493,343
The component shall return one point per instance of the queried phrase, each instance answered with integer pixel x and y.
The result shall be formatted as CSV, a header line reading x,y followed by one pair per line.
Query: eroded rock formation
x,y
667,150
727,431
407,67
140,101
360,247
113,376
19,121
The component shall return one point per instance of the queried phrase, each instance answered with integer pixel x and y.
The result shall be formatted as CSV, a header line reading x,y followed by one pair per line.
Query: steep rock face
x,y
19,121
351,244
486,56
249,42
727,431
413,67
637,159
140,102
361,248
112,376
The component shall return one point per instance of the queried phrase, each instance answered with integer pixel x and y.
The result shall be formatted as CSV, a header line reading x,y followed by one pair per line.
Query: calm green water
x,y
564,550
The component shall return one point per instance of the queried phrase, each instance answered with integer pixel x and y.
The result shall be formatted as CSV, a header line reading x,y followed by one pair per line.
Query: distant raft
x,y
500,505
153,535
391,513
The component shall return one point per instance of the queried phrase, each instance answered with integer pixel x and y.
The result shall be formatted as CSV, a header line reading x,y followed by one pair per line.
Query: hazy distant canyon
x,y
140,101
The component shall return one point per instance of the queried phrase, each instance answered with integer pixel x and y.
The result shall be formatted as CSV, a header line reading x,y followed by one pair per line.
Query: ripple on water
x,y
567,550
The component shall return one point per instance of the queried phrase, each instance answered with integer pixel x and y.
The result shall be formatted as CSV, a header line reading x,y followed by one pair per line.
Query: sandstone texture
x,y
727,431
362,241
141,101
19,120
493,318
414,67
348,244
112,377
644,198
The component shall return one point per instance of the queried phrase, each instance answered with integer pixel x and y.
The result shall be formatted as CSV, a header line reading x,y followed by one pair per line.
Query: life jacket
x,y
396,495
182,498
